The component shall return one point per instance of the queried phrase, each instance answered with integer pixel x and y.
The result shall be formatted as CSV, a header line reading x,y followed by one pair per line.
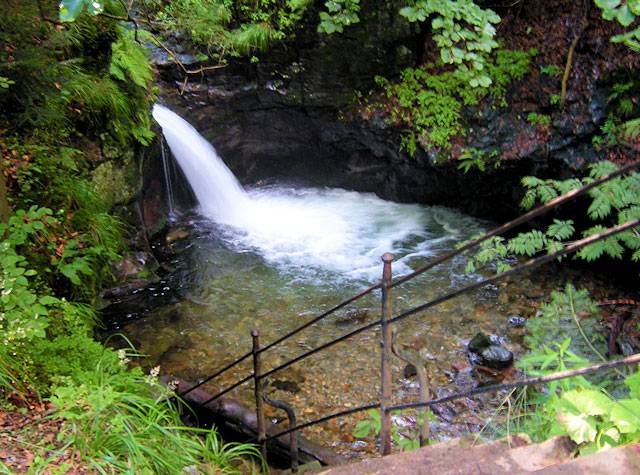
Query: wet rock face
x,y
278,120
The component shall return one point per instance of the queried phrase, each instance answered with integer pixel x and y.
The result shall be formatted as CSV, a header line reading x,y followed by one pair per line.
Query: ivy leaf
x,y
580,427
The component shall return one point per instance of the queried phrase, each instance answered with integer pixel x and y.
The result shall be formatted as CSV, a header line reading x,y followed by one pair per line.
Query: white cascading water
x,y
296,228
220,195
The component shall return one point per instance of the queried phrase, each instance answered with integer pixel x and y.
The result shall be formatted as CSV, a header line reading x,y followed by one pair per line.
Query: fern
x,y
250,38
527,243
561,229
618,199
129,61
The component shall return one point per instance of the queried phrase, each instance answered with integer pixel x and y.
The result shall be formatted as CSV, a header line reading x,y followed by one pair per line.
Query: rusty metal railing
x,y
387,319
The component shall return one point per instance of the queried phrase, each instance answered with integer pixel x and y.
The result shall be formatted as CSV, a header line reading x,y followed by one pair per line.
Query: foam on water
x,y
335,230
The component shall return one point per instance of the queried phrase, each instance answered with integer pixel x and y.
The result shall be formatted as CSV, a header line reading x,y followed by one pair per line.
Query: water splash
x,y
303,230
168,183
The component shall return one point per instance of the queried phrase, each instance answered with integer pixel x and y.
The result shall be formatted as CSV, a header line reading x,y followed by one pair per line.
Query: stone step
x,y
461,456
623,460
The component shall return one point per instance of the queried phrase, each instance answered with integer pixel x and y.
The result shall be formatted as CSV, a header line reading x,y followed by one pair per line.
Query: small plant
x,y
578,407
429,105
124,421
5,82
617,199
472,158
551,70
625,13
463,31
542,120
339,13
371,427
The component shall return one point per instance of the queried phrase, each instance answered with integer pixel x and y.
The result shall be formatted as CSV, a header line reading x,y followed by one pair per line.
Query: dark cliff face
x,y
279,120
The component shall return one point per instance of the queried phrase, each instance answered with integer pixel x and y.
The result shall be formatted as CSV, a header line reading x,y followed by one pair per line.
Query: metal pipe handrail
x,y
439,260
629,360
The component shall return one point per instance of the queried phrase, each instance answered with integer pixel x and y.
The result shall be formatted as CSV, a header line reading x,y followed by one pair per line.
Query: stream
x,y
271,258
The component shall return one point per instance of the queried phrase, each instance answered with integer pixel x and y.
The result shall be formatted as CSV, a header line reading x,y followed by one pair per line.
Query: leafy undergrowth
x,y
68,403
597,412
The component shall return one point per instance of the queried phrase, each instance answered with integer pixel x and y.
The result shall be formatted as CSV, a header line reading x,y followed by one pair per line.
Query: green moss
x,y
428,106
116,183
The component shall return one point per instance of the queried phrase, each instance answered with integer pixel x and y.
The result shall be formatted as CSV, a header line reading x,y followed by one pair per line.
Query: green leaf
x,y
362,429
561,229
624,16
607,4
590,402
633,383
48,300
580,427
625,414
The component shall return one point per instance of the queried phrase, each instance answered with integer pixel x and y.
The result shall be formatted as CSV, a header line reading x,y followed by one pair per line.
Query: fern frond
x,y
250,38
528,243
129,60
600,169
561,229
600,206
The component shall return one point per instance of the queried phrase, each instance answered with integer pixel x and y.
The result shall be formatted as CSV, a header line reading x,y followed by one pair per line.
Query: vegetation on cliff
x,y
75,95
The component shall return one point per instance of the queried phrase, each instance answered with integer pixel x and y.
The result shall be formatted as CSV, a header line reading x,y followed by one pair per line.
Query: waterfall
x,y
167,177
219,194
315,229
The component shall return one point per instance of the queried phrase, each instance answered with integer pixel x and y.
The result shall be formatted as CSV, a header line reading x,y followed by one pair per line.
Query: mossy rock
x,y
116,182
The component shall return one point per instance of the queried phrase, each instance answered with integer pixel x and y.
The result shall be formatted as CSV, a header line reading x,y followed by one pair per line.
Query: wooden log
x,y
237,420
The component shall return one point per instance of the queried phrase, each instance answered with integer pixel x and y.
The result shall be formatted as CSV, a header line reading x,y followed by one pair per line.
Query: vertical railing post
x,y
385,347
257,388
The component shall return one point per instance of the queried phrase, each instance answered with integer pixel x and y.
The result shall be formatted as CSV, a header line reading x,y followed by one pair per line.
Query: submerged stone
x,y
479,343
496,357
409,371
516,321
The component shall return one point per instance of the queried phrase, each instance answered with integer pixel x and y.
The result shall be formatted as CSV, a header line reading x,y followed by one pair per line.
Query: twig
x,y
181,65
568,64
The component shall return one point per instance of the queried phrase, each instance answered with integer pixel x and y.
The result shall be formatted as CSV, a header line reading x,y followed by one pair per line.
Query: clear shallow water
x,y
234,283
272,258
